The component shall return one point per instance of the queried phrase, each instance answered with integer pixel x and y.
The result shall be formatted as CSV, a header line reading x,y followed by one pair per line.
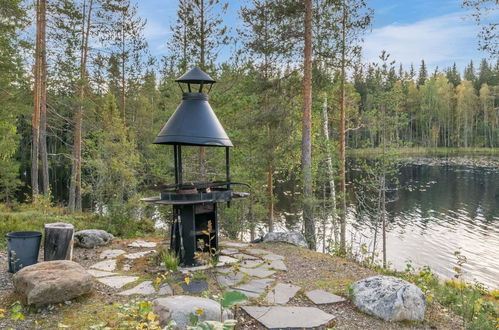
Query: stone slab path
x,y
240,268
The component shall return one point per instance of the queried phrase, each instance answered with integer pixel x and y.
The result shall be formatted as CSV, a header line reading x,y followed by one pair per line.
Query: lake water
x,y
438,209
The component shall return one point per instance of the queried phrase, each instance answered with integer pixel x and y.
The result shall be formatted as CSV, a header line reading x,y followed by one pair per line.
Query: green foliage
x,y
214,325
170,260
231,298
138,314
28,217
16,313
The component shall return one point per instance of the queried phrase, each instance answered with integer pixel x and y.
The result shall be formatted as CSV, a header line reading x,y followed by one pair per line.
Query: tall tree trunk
x,y
43,98
306,144
36,106
342,131
75,184
123,76
330,172
202,64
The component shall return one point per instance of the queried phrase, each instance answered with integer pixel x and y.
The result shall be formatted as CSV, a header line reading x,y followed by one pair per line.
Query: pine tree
x,y
423,74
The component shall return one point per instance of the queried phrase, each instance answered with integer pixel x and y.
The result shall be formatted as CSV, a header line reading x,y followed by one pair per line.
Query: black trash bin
x,y
23,248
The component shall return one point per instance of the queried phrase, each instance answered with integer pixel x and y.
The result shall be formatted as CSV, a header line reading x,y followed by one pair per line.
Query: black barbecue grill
x,y
194,203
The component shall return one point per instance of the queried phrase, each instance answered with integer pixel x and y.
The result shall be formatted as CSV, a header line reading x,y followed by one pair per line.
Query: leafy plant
x,y
138,315
16,311
231,298
214,325
170,260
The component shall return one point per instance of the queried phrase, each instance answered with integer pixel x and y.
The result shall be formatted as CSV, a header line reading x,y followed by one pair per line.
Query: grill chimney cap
x,y
195,76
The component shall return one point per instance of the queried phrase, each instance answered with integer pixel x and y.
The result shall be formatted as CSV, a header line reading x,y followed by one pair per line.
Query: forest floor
x,y
307,269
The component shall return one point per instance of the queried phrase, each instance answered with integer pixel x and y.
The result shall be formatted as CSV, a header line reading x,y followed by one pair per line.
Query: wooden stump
x,y
58,241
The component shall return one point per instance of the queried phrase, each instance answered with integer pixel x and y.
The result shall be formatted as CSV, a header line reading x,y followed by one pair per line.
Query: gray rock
x,y
291,237
226,260
52,282
271,257
91,238
138,255
257,251
389,298
258,272
244,256
165,290
142,244
320,297
276,264
99,273
281,293
229,251
186,270
250,263
230,279
254,288
196,286
106,265
234,244
280,317
178,308
117,282
109,254
145,288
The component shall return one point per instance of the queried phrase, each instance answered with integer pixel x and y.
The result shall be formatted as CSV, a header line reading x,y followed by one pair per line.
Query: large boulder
x,y
291,237
178,308
91,238
52,282
389,298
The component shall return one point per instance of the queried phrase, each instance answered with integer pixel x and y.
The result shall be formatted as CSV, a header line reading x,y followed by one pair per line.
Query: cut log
x,y
58,241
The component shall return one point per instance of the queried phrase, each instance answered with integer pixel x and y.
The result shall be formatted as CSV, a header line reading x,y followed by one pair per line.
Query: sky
x,y
438,31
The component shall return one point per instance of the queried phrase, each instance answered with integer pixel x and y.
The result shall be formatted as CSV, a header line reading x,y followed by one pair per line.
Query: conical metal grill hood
x,y
194,123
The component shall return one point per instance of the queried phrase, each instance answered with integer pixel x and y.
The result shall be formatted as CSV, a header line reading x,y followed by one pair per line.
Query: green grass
x,y
170,260
420,151
27,217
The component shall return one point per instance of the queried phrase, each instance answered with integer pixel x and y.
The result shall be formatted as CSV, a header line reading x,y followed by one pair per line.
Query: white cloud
x,y
439,41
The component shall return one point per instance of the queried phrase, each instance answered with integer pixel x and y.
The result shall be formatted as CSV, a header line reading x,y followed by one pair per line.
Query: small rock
x,y
389,298
291,237
138,255
52,282
320,297
179,308
145,288
109,254
92,238
165,290
106,265
117,282
142,244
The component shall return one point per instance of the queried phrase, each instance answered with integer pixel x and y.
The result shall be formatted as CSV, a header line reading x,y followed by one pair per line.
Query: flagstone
x,y
117,282
254,288
138,255
272,257
142,244
145,288
320,297
106,265
282,317
230,279
109,254
257,251
234,244
258,272
282,293
229,251
99,273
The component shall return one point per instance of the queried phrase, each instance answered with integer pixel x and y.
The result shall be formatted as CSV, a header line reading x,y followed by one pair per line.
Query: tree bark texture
x,y
306,145
35,122
43,98
342,130
58,243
